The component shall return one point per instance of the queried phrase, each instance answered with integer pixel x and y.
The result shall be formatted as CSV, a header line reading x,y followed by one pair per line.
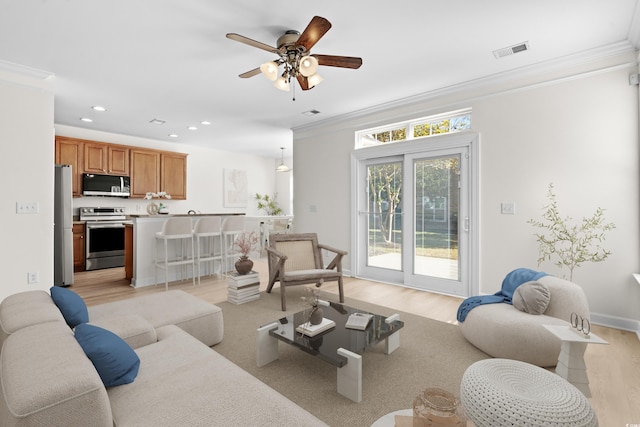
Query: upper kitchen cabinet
x,y
118,160
105,158
69,151
173,175
145,172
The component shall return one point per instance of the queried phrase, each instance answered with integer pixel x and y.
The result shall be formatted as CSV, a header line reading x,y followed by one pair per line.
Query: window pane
x,y
384,222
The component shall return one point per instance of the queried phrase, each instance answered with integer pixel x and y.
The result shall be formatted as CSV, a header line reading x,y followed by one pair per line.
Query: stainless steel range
x,y
104,231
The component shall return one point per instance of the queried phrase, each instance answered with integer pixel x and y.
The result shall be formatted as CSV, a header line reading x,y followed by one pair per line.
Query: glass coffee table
x,y
339,346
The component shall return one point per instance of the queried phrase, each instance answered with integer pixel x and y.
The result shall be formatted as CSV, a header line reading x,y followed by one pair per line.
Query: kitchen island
x,y
141,246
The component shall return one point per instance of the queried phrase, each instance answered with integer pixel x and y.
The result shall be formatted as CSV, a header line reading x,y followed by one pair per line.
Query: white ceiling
x,y
170,60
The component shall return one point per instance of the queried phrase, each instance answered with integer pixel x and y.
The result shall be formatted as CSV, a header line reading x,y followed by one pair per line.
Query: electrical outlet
x,y
508,208
33,277
27,207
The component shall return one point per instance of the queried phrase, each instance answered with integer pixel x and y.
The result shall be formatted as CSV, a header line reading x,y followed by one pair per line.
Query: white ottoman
x,y
503,392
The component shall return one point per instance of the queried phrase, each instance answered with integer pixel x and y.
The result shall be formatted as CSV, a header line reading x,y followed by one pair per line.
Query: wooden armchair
x,y
296,259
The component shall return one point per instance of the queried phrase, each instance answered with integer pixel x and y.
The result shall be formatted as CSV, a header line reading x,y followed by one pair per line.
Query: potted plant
x,y
268,204
571,244
245,243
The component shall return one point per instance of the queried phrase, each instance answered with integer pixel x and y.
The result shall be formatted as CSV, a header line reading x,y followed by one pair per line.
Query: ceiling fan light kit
x,y
294,51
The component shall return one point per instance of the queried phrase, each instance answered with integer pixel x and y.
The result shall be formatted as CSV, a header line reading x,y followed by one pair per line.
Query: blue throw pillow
x,y
114,359
71,305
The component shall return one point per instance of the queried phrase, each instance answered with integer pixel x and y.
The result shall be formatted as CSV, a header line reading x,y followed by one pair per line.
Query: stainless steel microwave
x,y
105,185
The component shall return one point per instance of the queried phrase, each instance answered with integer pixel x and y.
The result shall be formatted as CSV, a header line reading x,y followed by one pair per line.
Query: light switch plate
x,y
508,208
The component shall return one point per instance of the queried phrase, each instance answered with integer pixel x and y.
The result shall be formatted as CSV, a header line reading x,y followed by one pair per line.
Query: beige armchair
x,y
296,259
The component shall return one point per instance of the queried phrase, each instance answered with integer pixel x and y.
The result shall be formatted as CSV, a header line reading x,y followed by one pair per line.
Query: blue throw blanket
x,y
511,281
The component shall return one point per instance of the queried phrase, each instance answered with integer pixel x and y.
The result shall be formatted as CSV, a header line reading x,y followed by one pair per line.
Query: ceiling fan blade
x,y
304,82
339,61
251,42
251,73
314,31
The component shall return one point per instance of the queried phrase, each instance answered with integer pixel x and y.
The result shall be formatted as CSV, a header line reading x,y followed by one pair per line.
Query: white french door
x,y
415,207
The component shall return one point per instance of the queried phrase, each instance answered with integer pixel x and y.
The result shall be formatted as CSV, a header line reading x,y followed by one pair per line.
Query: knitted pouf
x,y
503,392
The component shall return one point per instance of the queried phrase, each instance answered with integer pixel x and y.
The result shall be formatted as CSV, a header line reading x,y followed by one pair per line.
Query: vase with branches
x,y
315,314
570,244
245,243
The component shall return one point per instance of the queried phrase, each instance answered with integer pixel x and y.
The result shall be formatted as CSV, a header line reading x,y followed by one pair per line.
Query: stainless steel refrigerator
x,y
63,227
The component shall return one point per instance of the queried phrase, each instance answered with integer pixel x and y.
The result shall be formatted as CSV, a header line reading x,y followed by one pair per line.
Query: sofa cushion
x,y
194,315
114,360
47,380
185,383
71,305
135,330
532,297
24,309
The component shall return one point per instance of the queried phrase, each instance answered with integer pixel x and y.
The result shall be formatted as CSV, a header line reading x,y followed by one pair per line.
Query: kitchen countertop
x,y
185,214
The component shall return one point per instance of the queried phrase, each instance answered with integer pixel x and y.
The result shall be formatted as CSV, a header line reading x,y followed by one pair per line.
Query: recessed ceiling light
x,y
157,122
86,119
173,135
204,122
311,112
192,128
99,108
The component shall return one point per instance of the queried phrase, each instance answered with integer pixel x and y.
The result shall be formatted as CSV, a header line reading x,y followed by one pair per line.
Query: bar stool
x,y
208,240
177,229
232,227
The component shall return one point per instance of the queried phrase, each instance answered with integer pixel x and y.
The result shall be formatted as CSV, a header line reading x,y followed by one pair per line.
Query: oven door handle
x,y
92,226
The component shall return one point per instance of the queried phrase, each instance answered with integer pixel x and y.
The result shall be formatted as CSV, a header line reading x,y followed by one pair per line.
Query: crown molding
x,y
620,54
24,71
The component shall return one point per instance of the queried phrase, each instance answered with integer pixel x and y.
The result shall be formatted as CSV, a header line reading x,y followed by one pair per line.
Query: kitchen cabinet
x,y
106,159
118,160
95,158
70,151
78,247
150,170
145,172
128,251
173,175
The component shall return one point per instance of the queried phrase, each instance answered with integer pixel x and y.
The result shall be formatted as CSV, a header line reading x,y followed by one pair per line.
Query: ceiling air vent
x,y
520,47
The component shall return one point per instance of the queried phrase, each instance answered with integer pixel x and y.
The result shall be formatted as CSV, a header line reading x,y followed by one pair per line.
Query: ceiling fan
x,y
294,53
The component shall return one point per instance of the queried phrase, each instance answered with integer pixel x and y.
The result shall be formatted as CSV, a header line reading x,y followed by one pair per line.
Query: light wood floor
x,y
614,369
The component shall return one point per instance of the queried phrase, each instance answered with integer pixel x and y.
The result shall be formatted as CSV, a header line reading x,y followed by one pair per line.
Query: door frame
x,y
465,139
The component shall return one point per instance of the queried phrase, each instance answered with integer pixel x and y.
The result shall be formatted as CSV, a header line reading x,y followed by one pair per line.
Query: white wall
x,y
26,168
576,127
204,175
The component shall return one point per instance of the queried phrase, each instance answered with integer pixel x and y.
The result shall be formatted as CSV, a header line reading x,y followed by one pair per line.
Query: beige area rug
x,y
431,354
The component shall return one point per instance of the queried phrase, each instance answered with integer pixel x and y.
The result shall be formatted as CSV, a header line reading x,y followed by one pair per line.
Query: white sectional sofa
x,y
47,380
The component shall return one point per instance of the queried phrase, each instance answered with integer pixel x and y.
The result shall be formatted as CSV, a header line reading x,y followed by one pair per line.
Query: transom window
x,y
453,121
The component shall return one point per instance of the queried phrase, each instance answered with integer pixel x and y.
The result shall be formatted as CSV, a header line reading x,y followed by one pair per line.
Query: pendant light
x,y
282,167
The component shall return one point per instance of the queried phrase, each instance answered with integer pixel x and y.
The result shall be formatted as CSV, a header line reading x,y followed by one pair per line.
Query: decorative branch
x,y
571,244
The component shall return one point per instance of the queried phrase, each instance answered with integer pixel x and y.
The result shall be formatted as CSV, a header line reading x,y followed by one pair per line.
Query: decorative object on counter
x,y
245,243
157,208
571,244
268,204
437,407
315,314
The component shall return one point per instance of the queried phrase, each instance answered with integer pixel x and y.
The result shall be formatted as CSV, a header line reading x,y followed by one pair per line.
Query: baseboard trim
x,y
616,322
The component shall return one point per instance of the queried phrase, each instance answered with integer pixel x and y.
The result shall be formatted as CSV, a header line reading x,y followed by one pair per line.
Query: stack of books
x,y
312,330
243,288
